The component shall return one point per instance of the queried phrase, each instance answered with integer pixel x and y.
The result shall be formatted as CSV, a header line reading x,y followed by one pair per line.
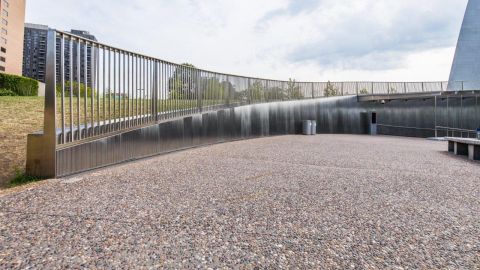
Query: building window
x,y
2,68
4,40
4,31
3,50
5,2
4,22
2,59
4,13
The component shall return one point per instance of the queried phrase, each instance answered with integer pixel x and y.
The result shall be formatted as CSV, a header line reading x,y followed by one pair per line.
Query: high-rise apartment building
x,y
35,51
35,54
12,16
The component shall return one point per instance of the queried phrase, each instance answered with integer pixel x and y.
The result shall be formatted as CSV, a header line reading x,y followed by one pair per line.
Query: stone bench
x,y
464,147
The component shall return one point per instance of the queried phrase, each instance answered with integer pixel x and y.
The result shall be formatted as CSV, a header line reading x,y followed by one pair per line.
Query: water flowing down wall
x,y
399,117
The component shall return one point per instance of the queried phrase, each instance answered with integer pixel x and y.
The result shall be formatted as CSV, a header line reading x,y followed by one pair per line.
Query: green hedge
x,y
7,93
19,85
75,90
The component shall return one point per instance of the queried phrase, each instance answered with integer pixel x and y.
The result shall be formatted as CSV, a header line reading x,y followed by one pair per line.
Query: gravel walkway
x,y
327,201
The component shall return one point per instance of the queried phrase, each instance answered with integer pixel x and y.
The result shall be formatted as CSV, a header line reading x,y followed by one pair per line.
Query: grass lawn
x,y
19,116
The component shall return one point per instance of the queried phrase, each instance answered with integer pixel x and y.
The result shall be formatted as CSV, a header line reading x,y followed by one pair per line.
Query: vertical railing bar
x,y
70,45
187,91
136,90
180,91
148,93
144,89
141,87
144,92
92,81
162,89
119,91
104,109
79,126
124,116
183,94
191,90
174,69
156,88
85,96
115,90
121,88
128,96
62,76
97,86
109,74
148,110
172,89
197,90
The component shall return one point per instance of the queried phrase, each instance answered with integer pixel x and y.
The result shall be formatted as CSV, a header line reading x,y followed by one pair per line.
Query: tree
x,y
293,90
183,83
274,93
256,91
330,90
213,89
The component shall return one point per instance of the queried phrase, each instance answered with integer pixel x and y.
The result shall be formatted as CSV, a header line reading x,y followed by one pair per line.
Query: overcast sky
x,y
309,40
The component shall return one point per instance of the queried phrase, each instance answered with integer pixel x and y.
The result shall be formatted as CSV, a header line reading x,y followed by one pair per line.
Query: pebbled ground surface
x,y
327,201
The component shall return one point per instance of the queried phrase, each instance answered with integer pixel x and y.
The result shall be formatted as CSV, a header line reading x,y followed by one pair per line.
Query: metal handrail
x,y
451,130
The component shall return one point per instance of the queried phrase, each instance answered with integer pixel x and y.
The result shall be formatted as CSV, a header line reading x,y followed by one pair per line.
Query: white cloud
x,y
307,40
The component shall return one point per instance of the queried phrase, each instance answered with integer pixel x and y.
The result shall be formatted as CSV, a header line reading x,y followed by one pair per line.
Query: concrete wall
x,y
414,117
41,89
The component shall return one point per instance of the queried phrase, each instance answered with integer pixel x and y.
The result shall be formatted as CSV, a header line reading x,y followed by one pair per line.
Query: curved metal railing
x,y
96,90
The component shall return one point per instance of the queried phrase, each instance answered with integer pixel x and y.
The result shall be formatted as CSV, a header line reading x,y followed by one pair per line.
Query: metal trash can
x,y
373,123
314,127
478,133
307,127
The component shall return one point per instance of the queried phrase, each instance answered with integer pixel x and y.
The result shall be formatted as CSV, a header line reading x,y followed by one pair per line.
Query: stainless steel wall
x,y
411,117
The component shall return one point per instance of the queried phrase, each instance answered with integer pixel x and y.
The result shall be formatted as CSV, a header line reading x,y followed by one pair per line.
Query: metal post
x,y
41,156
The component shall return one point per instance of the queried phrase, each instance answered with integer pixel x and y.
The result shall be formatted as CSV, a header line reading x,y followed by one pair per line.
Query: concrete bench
x,y
464,147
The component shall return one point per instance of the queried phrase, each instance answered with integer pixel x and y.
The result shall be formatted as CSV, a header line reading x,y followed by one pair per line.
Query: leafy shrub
x,y
392,90
20,85
75,89
364,91
331,90
7,93
293,90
